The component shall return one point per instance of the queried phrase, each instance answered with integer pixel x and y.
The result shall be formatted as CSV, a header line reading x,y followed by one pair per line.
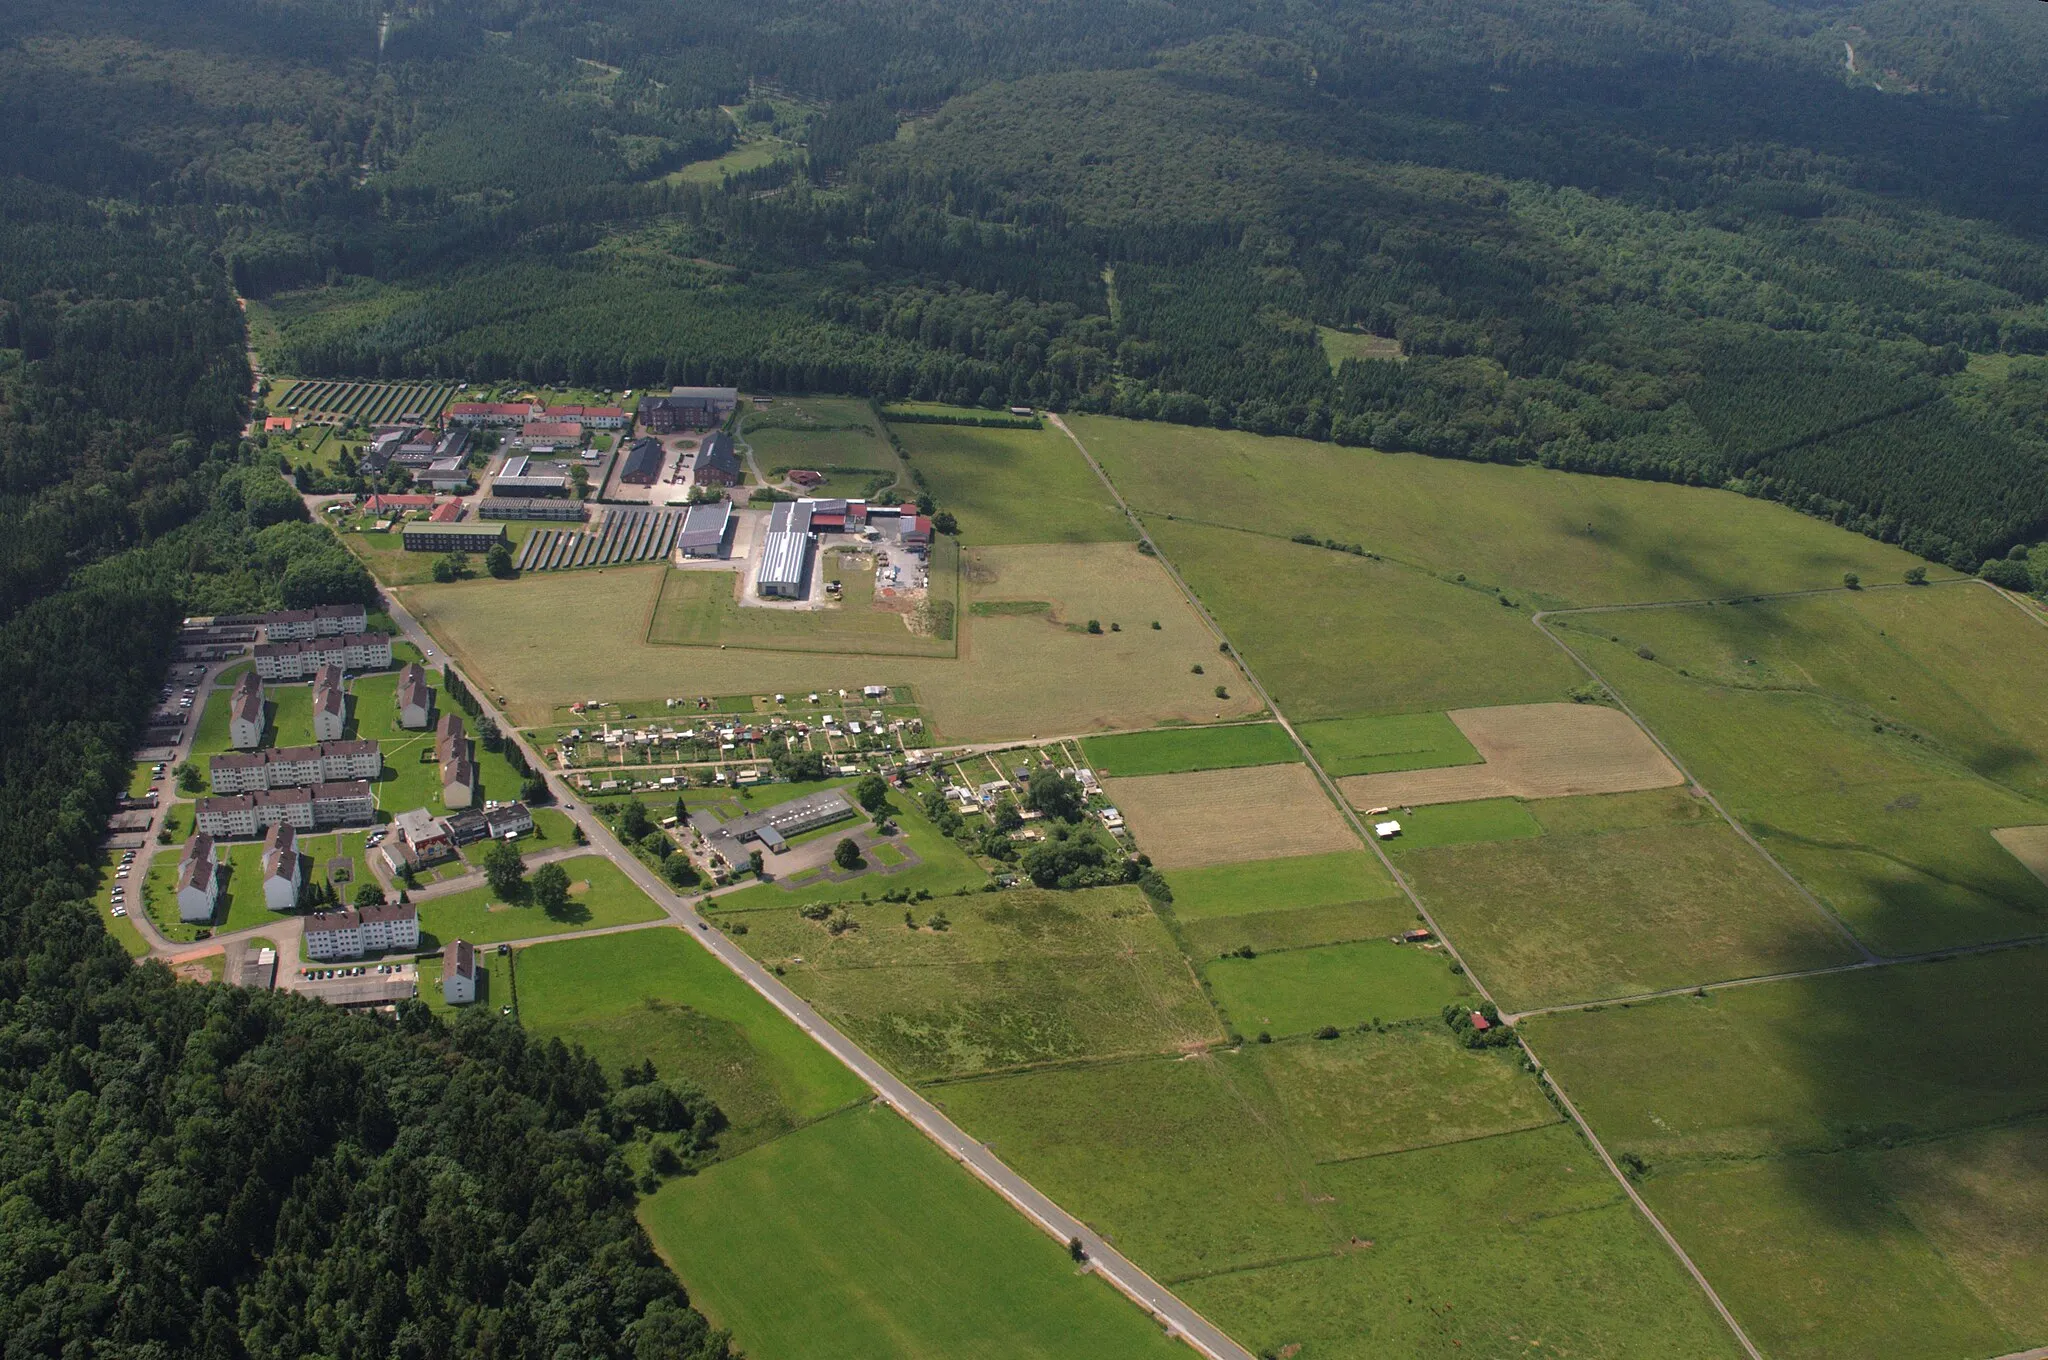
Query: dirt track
x,y
1530,751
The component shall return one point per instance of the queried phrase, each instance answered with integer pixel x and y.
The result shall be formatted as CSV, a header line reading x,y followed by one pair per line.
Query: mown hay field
x,y
1337,636
561,637
1563,537
1299,991
1530,751
1393,741
1279,885
2029,845
1186,821
860,1239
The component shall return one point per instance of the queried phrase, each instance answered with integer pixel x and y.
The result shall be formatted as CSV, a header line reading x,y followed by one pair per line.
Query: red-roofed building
x,y
489,413
917,531
805,477
556,431
276,423
449,513
1480,1022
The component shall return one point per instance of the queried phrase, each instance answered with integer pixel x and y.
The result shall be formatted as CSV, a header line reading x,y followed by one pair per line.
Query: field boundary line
x,y
1827,913
1448,1142
1350,815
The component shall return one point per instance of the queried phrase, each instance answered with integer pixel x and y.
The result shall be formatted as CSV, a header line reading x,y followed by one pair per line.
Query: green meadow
x,y
857,1238
1279,885
1013,486
1871,740
1480,821
1181,749
1392,741
599,895
1298,991
1854,1159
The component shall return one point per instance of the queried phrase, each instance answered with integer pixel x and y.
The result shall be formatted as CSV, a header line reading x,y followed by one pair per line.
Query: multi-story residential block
x,y
415,697
300,660
327,620
458,973
246,713
294,766
281,880
330,703
243,816
200,880
356,931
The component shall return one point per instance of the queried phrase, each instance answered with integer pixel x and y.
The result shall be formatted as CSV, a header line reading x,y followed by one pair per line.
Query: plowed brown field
x,y
1185,821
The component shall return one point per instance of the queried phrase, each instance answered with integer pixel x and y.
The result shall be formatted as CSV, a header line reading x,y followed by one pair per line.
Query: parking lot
x,y
353,984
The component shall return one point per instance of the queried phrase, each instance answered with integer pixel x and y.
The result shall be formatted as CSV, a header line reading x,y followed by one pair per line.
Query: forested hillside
x,y
1744,242
202,1171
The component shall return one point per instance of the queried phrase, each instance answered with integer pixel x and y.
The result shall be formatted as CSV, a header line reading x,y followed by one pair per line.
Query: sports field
x,y
1562,537
1872,740
599,895
1849,1157
1221,816
1335,636
1298,991
1529,751
857,1238
1015,676
1393,741
1330,1194
1014,978
1181,749
656,995
1014,486
1561,918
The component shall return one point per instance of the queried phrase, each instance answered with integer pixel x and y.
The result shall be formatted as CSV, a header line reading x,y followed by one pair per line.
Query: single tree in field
x,y
872,792
504,868
498,561
188,778
551,888
634,823
846,854
682,813
1916,576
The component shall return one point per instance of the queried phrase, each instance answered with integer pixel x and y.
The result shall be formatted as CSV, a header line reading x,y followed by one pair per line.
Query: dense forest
x,y
1752,243
199,1170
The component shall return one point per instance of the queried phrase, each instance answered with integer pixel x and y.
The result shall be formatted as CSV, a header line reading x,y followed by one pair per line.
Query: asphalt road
x,y
1177,1317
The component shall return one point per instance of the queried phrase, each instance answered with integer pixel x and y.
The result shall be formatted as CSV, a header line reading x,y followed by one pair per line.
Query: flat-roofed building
x,y
706,531
786,551
447,538
498,505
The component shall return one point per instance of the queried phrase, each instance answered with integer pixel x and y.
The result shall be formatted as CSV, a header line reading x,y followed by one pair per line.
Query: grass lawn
x,y
1566,918
1278,885
1014,677
1482,820
824,434
139,779
385,555
1298,927
1267,1186
1871,740
1562,537
600,895
656,995
859,1230
1849,1159
1298,991
1394,741
1177,750
1410,640
1014,486
241,906
1017,977
701,609
120,927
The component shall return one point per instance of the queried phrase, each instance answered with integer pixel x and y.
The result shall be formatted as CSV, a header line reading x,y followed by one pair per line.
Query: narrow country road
x,y
1177,1317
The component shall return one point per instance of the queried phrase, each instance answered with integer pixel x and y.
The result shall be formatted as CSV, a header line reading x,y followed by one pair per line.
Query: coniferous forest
x,y
1798,248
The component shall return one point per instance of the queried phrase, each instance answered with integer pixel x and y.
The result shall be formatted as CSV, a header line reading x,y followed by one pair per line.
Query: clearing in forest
x,y
1184,821
1530,751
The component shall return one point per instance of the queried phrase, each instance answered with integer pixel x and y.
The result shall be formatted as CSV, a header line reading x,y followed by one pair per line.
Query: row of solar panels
x,y
625,536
